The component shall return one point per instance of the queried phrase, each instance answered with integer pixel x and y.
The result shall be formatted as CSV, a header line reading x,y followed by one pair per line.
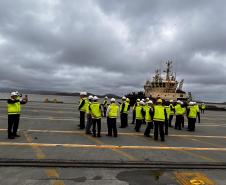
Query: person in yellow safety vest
x,y
105,105
198,111
134,112
167,107
139,116
159,119
83,103
179,115
96,112
112,114
124,110
203,108
14,109
183,113
191,115
172,112
89,117
148,118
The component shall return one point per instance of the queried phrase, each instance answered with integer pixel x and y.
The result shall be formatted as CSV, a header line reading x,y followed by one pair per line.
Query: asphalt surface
x,y
50,132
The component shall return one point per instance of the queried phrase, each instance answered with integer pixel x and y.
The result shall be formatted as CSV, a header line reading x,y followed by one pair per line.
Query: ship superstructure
x,y
167,88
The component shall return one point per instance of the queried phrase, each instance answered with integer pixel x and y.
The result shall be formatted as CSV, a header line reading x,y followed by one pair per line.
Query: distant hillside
x,y
41,92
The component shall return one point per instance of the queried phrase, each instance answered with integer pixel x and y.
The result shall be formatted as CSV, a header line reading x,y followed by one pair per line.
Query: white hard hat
x,y
150,102
178,101
142,100
191,103
14,94
106,97
17,93
147,99
90,97
81,93
112,100
95,98
171,101
123,98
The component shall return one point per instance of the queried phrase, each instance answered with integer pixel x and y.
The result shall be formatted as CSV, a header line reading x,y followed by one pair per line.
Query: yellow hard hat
x,y
159,100
127,99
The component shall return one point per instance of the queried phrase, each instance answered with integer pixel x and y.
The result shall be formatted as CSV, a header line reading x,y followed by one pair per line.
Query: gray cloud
x,y
112,46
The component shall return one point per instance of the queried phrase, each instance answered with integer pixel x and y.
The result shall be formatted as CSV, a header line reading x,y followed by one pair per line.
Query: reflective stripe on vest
x,y
84,107
138,110
95,110
192,112
113,111
159,114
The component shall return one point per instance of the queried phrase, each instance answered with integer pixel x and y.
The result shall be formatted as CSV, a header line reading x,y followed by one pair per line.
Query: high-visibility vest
x,y
167,111
113,111
138,110
203,106
84,107
183,110
105,103
171,109
178,110
121,105
145,107
192,112
95,110
147,113
125,107
197,107
87,109
13,108
159,113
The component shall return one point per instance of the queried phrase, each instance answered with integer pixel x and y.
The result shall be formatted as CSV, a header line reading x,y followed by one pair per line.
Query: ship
x,y
166,87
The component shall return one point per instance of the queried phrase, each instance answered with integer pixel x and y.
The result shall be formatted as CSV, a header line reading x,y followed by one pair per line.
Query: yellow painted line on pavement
x,y
38,152
115,149
113,146
193,178
211,144
211,125
202,156
51,172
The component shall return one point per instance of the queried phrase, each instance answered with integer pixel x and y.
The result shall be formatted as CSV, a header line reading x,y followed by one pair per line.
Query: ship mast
x,y
168,70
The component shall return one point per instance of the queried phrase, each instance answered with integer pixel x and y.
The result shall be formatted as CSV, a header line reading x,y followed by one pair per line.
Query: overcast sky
x,y
112,46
